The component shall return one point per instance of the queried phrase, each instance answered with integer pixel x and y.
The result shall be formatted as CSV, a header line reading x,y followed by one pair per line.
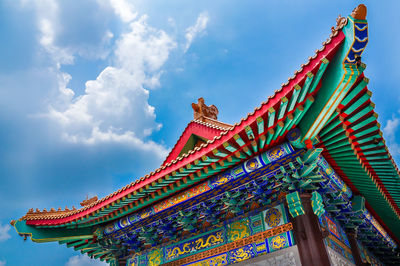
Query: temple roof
x,y
271,105
202,131
224,146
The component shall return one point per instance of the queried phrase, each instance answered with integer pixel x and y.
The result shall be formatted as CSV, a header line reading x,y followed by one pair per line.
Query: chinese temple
x,y
305,179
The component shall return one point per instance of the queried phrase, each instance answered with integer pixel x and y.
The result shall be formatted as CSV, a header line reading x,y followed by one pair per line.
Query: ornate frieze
x,y
239,240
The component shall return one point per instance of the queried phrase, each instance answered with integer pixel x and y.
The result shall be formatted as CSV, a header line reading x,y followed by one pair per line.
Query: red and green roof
x,y
329,88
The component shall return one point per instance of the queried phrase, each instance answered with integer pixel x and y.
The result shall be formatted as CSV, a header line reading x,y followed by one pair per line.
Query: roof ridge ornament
x,y
340,23
360,12
202,111
88,201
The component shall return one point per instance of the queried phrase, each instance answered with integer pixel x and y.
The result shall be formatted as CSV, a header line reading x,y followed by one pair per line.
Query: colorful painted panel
x,y
132,261
280,241
253,164
218,260
256,223
275,154
345,252
261,247
220,180
238,171
274,217
332,227
238,230
242,253
335,229
195,245
232,232
193,192
155,257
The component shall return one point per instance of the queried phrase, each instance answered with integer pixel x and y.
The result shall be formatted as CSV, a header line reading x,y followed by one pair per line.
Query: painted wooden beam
x,y
282,108
239,140
310,100
288,122
299,110
358,103
229,147
307,83
249,133
278,128
262,140
271,117
270,134
320,73
260,125
295,96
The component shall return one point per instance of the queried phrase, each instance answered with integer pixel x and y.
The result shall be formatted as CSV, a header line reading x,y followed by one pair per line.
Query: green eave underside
x,y
363,182
41,235
352,138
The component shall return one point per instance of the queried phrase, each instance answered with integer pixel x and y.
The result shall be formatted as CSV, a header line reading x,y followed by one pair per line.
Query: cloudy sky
x,y
93,94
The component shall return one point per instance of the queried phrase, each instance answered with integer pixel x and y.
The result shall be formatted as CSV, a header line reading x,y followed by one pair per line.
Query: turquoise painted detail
x,y
339,77
317,204
294,204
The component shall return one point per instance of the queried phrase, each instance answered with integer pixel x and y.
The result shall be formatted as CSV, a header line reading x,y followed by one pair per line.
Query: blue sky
x,y
93,95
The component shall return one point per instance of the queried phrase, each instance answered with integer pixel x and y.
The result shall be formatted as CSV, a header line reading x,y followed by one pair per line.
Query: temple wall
x,y
243,238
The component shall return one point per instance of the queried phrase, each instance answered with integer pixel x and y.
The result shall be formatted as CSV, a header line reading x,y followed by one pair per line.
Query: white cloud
x,y
114,107
4,234
83,260
48,11
389,132
2,263
124,10
199,28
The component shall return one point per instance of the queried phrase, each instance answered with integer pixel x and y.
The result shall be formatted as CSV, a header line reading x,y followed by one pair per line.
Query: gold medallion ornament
x,y
278,242
252,164
276,153
273,217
